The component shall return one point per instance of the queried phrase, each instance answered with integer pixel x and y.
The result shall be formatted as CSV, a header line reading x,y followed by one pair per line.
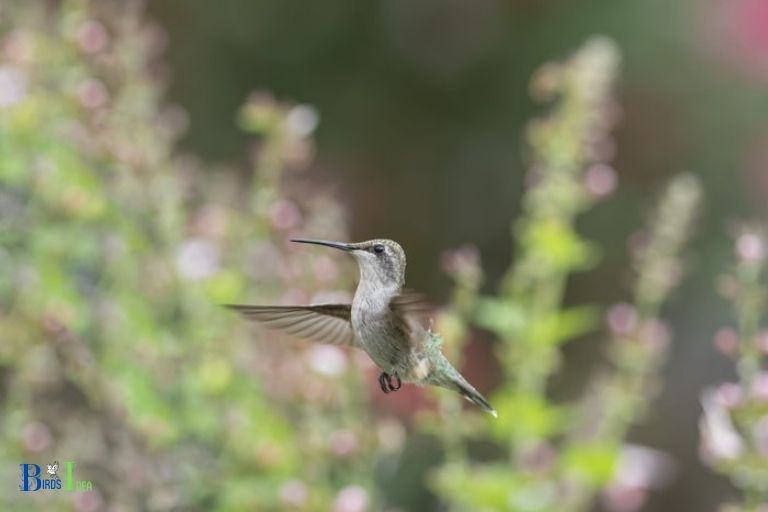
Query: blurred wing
x,y
326,323
410,302
412,308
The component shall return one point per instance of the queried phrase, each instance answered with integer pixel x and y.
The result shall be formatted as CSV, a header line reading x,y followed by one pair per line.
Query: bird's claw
x,y
384,383
387,384
399,384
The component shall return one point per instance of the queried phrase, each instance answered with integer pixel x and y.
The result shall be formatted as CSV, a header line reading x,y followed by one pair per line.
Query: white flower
x,y
327,360
643,467
13,86
294,493
751,247
352,498
302,120
719,438
197,259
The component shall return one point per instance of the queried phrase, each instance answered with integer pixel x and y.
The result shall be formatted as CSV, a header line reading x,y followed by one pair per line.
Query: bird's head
x,y
381,261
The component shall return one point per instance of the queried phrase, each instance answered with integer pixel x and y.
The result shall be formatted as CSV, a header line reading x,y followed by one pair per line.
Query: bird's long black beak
x,y
336,245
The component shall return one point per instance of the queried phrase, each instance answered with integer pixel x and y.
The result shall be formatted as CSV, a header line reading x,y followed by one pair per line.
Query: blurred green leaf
x,y
565,325
594,464
523,417
494,487
558,246
500,316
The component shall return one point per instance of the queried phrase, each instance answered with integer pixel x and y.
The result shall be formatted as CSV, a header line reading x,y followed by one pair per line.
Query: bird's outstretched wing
x,y
325,323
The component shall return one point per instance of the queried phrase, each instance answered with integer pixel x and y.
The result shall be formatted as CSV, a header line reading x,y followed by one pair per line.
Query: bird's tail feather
x,y
448,377
470,393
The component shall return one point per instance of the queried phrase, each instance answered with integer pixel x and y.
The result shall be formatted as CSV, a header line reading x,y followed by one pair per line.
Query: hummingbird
x,y
384,320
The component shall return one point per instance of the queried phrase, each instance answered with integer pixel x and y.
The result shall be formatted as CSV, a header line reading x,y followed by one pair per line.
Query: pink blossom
x,y
638,470
88,501
294,493
622,318
37,436
737,33
600,180
727,341
92,37
13,86
655,333
18,46
352,498
728,395
92,93
344,443
284,214
753,22
760,387
622,498
751,247
461,262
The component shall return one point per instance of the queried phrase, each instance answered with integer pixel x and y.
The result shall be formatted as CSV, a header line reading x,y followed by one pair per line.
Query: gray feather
x,y
326,323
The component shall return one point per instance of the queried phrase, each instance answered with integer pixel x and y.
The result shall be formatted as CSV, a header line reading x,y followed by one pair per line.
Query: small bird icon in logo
x,y
52,469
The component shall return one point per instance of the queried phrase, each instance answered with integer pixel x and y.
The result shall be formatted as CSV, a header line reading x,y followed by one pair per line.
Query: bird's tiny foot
x,y
384,382
387,384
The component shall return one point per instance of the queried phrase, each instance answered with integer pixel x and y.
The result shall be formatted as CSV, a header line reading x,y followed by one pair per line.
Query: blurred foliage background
x,y
154,159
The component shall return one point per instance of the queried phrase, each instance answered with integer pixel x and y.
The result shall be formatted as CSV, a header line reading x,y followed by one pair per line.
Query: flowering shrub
x,y
555,456
116,254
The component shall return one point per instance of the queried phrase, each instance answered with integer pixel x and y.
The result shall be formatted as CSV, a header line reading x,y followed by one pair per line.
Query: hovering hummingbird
x,y
383,319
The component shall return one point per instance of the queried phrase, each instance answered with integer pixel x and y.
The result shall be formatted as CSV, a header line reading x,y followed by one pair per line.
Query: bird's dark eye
x,y
378,248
